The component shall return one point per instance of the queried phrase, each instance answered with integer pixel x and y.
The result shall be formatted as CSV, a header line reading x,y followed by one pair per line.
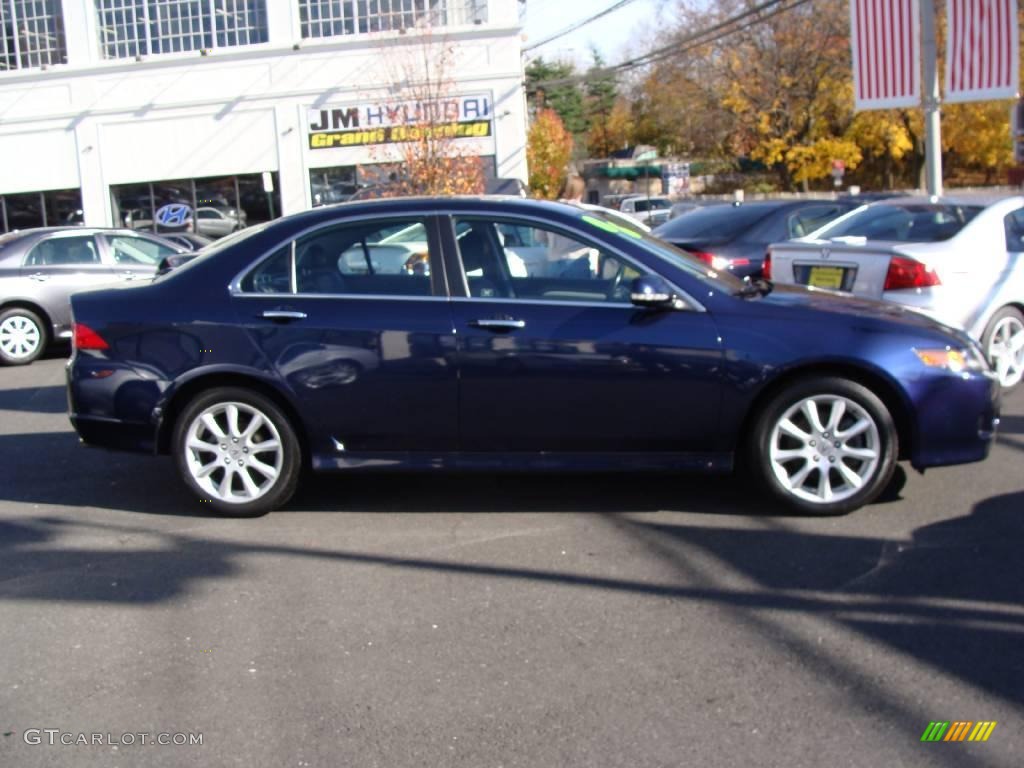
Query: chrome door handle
x,y
283,314
498,324
127,275
39,277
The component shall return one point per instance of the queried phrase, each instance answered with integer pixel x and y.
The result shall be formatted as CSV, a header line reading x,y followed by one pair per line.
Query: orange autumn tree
x,y
548,149
434,156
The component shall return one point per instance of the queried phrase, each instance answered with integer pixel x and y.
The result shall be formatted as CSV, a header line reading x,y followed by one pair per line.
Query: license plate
x,y
826,277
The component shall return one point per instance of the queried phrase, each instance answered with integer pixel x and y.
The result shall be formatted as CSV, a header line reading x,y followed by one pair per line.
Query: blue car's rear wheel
x,y
825,446
237,451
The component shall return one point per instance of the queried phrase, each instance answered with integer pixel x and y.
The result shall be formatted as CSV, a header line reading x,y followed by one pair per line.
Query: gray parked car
x,y
41,268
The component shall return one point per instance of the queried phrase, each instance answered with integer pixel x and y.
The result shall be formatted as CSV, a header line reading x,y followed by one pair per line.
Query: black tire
x,y
276,492
859,405
25,320
1014,317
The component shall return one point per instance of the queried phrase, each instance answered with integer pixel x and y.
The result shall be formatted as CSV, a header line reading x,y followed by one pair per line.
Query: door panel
x,y
586,378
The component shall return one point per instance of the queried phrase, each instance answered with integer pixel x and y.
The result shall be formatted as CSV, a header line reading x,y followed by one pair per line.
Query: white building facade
x,y
112,109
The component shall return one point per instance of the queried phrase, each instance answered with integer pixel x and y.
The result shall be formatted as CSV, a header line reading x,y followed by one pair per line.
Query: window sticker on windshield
x,y
609,226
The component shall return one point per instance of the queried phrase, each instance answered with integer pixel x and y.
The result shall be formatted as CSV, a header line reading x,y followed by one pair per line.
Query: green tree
x,y
565,98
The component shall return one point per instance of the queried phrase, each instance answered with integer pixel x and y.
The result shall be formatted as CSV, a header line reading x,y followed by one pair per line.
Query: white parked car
x,y
653,210
959,259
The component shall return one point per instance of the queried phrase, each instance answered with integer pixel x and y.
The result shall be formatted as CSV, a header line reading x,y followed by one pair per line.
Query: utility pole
x,y
930,100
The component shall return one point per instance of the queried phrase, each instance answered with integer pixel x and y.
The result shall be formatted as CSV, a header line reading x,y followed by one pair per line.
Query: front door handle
x,y
39,277
127,275
498,324
283,314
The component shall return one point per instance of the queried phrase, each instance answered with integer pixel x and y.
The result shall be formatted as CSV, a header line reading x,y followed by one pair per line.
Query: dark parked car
x,y
188,240
306,342
735,237
39,268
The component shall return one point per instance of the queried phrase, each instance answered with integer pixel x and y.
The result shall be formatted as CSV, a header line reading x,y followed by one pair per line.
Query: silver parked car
x,y
41,268
217,222
959,259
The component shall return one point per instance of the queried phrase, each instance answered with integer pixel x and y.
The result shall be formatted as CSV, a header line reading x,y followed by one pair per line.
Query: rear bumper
x,y
115,435
957,420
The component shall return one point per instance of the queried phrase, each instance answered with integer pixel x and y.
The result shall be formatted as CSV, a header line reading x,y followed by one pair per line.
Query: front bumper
x,y
957,419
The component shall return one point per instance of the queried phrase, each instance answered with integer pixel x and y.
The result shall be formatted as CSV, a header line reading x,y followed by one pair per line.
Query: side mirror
x,y
653,292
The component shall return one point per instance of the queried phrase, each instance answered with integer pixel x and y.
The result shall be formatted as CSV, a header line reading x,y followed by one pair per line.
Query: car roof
x,y
966,197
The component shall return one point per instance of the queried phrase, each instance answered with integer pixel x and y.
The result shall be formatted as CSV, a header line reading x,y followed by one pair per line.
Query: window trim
x,y
454,261
438,281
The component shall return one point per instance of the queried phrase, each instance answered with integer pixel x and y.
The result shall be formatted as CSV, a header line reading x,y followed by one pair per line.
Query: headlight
x,y
954,360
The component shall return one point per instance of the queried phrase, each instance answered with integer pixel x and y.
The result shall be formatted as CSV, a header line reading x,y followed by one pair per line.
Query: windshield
x,y
217,246
717,221
902,222
666,252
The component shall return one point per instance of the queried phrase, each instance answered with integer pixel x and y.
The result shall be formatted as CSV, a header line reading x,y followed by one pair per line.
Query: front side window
x,y
132,251
130,28
526,260
331,18
31,34
64,252
1014,225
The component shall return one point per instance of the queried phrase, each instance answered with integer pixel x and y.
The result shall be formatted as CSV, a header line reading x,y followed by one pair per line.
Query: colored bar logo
x,y
958,730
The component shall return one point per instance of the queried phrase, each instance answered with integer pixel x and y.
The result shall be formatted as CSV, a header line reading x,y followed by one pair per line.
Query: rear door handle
x,y
127,275
39,277
283,314
498,324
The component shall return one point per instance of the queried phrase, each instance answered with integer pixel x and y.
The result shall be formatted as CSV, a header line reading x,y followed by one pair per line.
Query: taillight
x,y
86,338
909,273
707,258
766,267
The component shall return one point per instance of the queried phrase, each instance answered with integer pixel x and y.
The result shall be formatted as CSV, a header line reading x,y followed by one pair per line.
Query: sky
x,y
615,35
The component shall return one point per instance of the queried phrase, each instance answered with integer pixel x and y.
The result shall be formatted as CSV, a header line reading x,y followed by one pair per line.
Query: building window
x,y
213,207
32,34
130,28
40,209
330,18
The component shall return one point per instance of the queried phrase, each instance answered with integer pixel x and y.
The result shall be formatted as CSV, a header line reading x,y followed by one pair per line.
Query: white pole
x,y
930,101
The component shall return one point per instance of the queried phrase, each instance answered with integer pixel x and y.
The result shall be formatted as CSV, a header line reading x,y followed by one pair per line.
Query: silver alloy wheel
x,y
19,337
234,453
825,448
1006,350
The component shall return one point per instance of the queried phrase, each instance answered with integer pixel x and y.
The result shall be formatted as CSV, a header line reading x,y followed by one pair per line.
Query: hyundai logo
x,y
825,253
173,215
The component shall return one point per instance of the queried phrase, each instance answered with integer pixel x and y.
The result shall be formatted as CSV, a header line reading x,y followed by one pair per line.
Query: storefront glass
x,y
212,206
40,209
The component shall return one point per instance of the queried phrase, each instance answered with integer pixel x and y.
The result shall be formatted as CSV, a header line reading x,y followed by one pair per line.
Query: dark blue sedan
x,y
491,334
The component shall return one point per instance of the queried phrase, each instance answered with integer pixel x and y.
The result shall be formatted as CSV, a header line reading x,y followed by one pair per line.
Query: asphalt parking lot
x,y
498,620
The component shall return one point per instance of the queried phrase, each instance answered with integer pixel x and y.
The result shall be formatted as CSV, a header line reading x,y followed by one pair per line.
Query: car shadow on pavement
x,y
948,597
76,475
34,400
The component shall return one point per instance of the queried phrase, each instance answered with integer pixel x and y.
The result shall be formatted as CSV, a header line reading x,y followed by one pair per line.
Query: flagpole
x,y
930,100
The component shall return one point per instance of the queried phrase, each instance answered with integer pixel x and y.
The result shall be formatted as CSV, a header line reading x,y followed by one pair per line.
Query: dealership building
x,y
111,110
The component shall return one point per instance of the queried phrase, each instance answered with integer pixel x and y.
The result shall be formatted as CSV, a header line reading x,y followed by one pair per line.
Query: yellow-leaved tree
x,y
548,150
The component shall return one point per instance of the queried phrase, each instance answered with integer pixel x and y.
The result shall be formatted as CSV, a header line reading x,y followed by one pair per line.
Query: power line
x,y
686,43
582,23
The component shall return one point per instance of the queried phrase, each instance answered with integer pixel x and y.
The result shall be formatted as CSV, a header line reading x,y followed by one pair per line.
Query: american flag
x,y
886,53
981,50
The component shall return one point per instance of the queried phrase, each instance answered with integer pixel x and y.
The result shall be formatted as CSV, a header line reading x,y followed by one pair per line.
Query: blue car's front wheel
x,y
825,445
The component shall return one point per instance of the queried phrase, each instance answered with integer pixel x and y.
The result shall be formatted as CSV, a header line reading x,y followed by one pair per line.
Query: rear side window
x,y
382,259
64,251
905,223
